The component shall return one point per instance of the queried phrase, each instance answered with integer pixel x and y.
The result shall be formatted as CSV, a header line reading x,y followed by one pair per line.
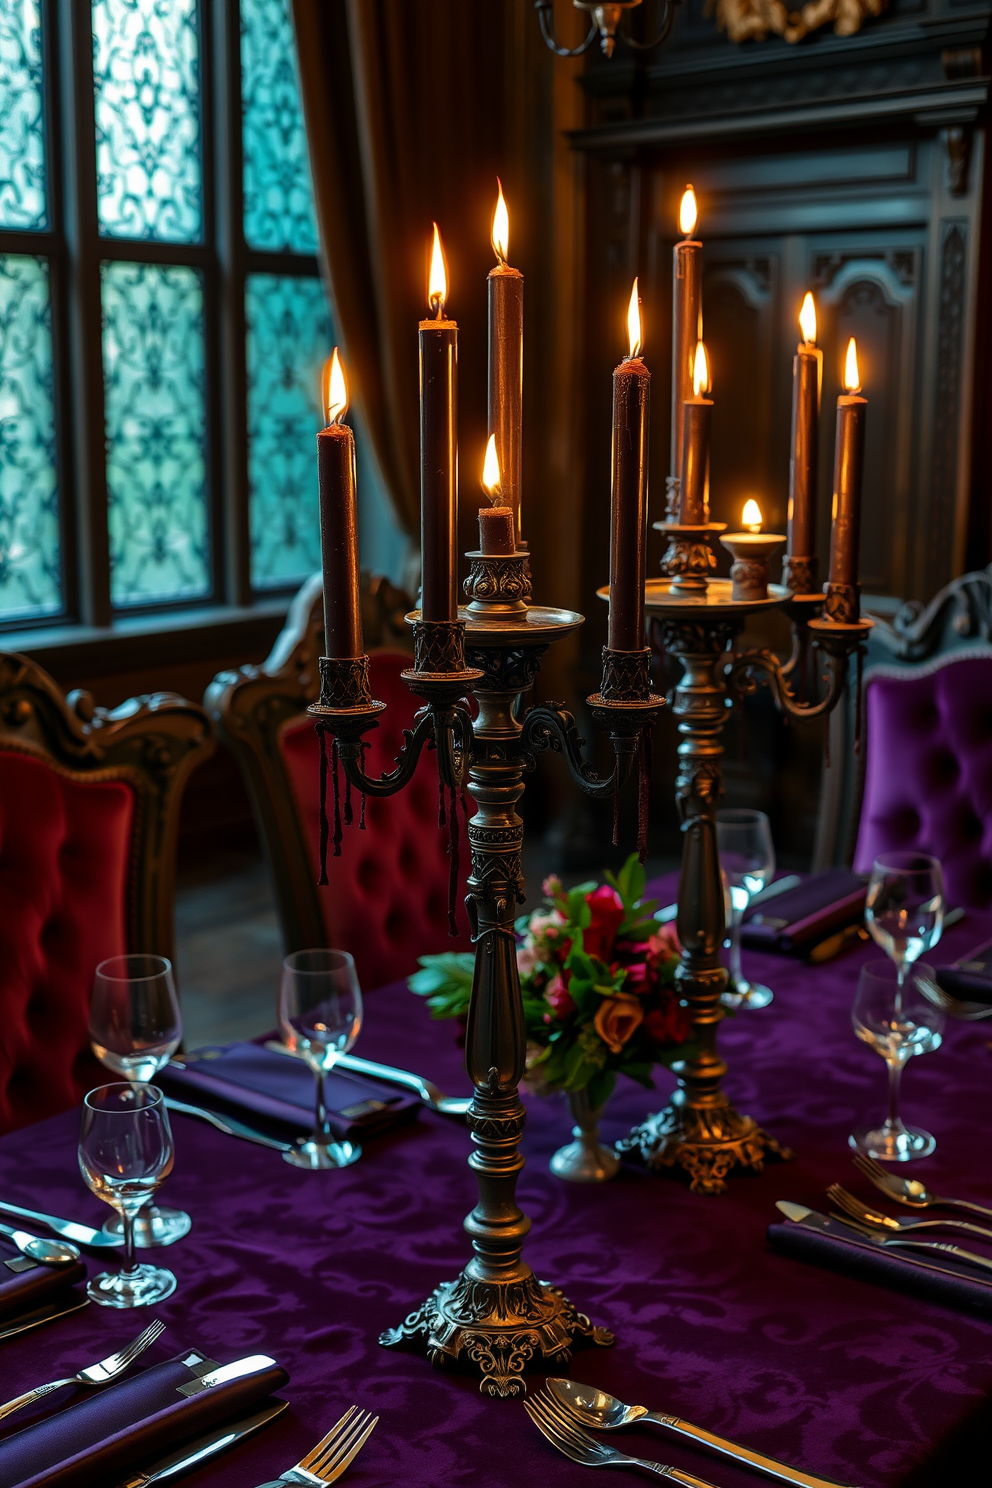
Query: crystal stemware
x,y
747,859
320,1015
125,1150
892,1016
904,906
135,1028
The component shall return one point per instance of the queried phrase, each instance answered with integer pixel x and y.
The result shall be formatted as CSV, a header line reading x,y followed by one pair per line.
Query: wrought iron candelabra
x,y
497,1317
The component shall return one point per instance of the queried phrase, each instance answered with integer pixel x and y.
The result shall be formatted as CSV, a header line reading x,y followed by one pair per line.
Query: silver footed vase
x,y
584,1159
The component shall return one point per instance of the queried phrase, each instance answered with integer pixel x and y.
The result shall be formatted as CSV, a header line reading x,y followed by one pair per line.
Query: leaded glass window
x,y
289,335
22,133
146,81
30,577
278,212
153,354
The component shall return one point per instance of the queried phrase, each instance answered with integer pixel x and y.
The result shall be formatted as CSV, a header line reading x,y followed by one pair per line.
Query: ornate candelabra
x,y
497,1317
699,620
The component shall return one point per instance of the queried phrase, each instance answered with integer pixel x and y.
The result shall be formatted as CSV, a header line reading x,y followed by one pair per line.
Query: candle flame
x,y
807,320
751,516
501,226
700,371
490,471
334,389
634,323
437,286
852,378
688,213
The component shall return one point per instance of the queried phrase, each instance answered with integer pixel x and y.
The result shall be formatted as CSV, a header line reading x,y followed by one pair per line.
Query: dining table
x,y
850,1378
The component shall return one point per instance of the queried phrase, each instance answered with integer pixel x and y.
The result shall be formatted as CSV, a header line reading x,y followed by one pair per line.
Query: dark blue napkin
x,y
26,1284
969,979
794,922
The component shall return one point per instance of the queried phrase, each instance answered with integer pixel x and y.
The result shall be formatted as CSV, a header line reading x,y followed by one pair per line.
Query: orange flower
x,y
616,1019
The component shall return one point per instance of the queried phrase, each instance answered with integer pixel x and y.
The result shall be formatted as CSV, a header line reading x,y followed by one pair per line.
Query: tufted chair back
x,y
89,803
386,902
928,770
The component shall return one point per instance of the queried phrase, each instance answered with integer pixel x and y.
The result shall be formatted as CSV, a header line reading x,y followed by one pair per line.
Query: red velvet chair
x,y
386,901
89,803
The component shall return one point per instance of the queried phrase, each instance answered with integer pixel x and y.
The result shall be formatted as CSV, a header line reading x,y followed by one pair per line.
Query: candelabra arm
x,y
742,682
551,726
545,15
446,729
665,25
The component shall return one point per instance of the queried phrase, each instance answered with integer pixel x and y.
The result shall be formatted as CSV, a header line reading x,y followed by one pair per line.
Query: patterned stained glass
x,y
22,132
30,577
289,336
146,56
278,194
153,363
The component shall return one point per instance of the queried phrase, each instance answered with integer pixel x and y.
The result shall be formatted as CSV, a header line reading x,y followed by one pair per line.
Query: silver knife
x,y
206,1446
67,1228
447,1105
46,1314
230,1125
224,1373
780,886
811,1220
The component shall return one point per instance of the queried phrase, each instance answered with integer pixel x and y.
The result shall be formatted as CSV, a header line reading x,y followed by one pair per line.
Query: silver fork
x,y
95,1374
562,1432
954,1007
910,1191
860,1210
888,1242
333,1454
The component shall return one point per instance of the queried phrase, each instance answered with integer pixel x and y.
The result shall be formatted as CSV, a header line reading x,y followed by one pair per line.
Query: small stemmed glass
x,y
747,859
904,906
320,1015
135,1028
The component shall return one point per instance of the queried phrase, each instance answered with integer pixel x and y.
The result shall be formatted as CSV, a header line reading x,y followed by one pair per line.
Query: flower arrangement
x,y
597,974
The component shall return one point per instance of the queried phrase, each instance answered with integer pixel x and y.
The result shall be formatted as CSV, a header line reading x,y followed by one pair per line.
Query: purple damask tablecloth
x,y
863,1384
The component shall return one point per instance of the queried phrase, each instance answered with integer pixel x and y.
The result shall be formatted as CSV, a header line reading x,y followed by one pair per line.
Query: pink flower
x,y
526,959
616,1020
637,980
607,917
552,886
664,943
559,997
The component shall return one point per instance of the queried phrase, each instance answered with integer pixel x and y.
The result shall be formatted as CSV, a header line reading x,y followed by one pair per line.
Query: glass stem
x,y
322,1133
130,1267
895,1075
734,937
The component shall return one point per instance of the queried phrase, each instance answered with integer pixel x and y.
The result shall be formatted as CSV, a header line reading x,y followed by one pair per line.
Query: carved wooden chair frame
x,y
250,709
152,743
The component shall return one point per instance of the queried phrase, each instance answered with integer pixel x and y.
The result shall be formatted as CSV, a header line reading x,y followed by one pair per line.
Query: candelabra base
x,y
499,1329
707,1142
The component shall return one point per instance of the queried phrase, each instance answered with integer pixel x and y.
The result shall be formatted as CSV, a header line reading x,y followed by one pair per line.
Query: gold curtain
x,y
405,115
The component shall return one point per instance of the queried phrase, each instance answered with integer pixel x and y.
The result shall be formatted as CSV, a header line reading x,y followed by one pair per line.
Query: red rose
x,y
637,979
607,917
559,997
668,1024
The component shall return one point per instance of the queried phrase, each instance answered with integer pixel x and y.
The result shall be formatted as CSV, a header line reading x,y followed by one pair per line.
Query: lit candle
x,y
696,415
506,361
846,514
800,564
338,519
628,497
438,449
751,549
751,516
496,523
686,319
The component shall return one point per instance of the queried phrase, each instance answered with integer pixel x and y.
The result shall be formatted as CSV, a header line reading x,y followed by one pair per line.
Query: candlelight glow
x,y
807,320
501,226
437,286
634,323
751,516
852,378
490,470
334,389
700,372
688,212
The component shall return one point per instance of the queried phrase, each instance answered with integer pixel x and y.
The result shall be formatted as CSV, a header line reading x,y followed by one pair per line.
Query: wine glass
x,y
893,1017
320,1014
747,858
904,907
135,1027
125,1150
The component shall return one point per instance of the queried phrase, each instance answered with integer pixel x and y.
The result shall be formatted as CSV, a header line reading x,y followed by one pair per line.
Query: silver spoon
x,y
48,1252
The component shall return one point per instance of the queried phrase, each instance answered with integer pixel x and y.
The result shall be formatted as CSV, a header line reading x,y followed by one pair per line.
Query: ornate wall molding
x,y
947,396
753,20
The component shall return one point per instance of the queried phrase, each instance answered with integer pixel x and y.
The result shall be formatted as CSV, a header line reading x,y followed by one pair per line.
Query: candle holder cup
x,y
750,573
689,557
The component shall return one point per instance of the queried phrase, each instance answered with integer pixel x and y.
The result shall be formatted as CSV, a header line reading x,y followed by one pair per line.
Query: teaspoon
x,y
48,1252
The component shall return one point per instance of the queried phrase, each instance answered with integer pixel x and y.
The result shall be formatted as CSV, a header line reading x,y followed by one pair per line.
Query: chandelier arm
x,y
666,26
351,748
548,727
545,16
742,682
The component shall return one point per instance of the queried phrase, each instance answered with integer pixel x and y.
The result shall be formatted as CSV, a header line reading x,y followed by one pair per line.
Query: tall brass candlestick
x,y
799,572
506,363
438,450
338,520
843,599
628,498
696,417
687,264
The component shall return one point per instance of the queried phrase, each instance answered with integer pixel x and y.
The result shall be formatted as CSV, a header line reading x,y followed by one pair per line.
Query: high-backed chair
x,y
89,808
386,901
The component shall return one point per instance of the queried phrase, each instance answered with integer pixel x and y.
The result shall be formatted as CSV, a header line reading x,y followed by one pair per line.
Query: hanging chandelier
x,y
604,22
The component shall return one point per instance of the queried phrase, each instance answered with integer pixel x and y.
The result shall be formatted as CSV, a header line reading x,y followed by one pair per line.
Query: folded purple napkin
x,y
276,1093
111,1430
939,1277
25,1284
970,979
794,922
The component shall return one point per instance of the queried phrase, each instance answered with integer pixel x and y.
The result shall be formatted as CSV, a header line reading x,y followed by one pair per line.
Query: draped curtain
x,y
405,114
